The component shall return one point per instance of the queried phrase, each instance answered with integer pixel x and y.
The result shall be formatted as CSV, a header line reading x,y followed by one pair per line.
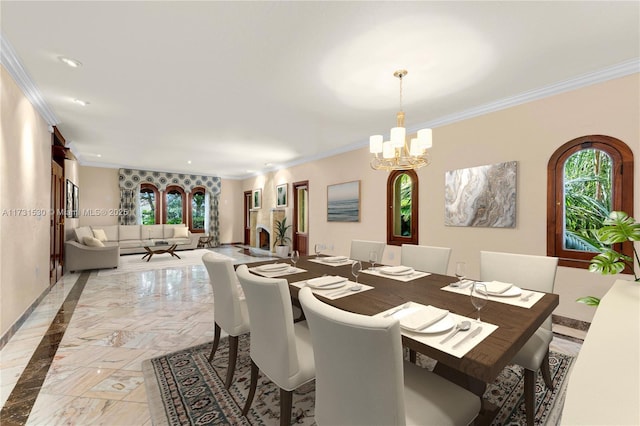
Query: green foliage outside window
x,y
198,210
587,187
405,205
174,208
147,207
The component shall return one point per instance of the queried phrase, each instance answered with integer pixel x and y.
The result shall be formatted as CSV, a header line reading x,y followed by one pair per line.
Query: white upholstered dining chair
x,y
426,258
279,348
532,273
361,378
360,250
229,308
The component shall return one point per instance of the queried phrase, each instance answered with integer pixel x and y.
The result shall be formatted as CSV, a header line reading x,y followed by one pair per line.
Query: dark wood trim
x,y
622,196
300,240
393,239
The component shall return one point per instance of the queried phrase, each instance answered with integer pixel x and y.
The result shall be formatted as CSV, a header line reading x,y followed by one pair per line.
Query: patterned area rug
x,y
184,389
135,263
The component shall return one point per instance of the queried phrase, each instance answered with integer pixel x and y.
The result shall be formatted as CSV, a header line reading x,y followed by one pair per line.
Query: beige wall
x,y
25,181
528,134
99,196
231,211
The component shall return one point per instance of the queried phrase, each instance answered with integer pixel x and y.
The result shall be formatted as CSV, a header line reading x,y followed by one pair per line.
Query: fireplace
x,y
263,238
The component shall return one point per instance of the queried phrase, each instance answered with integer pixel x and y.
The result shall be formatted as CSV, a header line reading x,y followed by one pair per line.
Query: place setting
x,y
273,270
439,328
335,286
494,290
399,273
329,260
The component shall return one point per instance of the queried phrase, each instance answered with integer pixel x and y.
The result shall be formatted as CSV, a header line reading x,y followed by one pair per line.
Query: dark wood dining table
x,y
478,367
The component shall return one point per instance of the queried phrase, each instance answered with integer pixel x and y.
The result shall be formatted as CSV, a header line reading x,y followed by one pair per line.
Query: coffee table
x,y
159,250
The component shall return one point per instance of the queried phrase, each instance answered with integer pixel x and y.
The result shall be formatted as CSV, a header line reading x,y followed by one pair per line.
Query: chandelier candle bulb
x,y
425,136
398,135
387,150
375,144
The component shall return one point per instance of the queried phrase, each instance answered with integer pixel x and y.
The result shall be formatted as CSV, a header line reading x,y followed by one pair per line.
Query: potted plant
x,y
282,240
617,228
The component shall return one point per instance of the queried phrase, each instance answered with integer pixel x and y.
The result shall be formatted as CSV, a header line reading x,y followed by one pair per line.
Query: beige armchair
x,y
79,257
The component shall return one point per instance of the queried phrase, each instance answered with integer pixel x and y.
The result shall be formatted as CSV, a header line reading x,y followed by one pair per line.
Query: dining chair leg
x,y
530,395
252,388
233,355
546,372
286,400
216,340
412,356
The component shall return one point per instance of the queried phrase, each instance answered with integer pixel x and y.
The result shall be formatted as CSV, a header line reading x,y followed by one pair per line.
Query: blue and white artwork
x,y
343,202
483,196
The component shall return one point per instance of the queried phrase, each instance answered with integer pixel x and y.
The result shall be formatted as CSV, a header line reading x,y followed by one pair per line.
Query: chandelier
x,y
396,153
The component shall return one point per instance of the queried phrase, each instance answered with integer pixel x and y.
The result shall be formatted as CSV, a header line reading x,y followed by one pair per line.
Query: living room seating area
x,y
96,247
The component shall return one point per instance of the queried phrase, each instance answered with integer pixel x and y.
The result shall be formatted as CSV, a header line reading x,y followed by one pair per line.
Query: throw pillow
x,y
92,242
100,234
181,232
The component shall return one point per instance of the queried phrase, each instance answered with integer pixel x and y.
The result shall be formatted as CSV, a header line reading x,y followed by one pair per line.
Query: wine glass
x,y
479,296
317,248
295,256
461,271
373,258
356,268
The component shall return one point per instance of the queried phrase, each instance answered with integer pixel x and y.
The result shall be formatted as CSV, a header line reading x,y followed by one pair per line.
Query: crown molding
x,y
9,59
616,71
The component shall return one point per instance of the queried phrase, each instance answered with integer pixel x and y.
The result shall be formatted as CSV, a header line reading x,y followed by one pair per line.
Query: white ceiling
x,y
233,86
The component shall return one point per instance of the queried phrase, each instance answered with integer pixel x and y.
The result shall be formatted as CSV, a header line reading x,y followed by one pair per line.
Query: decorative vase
x,y
282,251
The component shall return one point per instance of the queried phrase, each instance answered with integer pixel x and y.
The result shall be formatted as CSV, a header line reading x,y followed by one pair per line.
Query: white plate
x,y
407,272
445,324
512,292
336,259
273,267
337,284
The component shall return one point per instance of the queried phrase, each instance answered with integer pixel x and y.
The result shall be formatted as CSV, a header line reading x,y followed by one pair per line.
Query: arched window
x,y
197,210
587,178
174,210
402,212
149,197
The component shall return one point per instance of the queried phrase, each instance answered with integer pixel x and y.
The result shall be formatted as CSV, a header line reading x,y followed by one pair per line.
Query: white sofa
x,y
121,239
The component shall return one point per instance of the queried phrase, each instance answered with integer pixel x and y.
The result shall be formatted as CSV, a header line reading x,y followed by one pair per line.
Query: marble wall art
x,y
483,196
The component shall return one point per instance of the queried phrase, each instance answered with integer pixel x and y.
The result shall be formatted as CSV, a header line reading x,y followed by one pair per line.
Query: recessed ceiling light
x,y
189,162
81,102
71,62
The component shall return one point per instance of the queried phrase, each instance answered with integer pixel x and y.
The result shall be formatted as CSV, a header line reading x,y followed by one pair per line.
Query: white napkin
x,y
396,270
273,267
325,281
423,317
335,259
497,287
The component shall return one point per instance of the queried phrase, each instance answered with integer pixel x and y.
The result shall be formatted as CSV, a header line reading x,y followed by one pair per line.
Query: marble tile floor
x,y
96,347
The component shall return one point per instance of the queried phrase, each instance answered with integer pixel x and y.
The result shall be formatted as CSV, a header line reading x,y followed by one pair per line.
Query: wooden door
x,y
56,251
247,217
301,217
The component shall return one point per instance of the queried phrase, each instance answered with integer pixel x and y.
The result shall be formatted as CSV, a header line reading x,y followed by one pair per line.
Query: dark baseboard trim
x,y
570,322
